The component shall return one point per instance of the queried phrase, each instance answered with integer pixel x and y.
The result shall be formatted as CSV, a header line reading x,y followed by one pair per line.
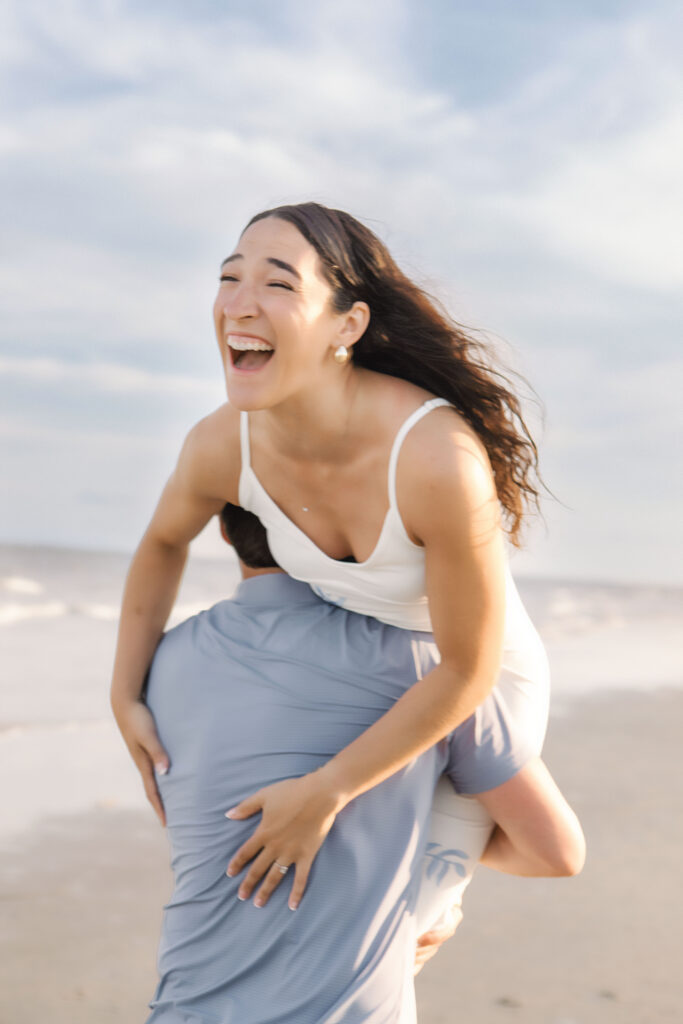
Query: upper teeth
x,y
248,344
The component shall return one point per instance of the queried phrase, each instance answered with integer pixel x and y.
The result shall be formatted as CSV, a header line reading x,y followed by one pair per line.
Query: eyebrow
x,y
269,259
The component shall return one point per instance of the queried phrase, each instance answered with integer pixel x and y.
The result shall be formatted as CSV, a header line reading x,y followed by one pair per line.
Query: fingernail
x,y
293,906
241,897
230,813
230,872
161,768
258,903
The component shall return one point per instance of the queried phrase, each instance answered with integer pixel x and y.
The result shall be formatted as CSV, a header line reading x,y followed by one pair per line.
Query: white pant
x,y
460,826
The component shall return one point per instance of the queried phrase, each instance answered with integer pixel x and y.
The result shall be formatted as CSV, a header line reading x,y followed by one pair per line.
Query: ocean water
x,y
58,621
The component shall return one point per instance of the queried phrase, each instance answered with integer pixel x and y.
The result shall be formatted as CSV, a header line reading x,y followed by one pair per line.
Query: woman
x,y
330,356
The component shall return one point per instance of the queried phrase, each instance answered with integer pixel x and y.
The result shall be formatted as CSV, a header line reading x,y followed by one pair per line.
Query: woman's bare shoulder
x,y
439,435
444,471
210,459
444,439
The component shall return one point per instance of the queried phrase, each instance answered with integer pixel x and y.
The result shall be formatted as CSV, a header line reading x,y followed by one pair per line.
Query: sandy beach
x,y
82,897
84,864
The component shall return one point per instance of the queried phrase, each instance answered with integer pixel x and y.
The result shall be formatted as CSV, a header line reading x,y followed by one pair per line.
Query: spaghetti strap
x,y
405,427
244,441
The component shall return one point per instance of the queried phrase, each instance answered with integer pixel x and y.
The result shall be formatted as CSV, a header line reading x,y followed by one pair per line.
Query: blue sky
x,y
523,161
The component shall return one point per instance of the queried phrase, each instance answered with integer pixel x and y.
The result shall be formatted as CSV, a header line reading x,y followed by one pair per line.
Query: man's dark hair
x,y
247,535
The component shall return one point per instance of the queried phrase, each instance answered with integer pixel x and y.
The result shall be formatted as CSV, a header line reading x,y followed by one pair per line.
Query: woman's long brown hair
x,y
409,337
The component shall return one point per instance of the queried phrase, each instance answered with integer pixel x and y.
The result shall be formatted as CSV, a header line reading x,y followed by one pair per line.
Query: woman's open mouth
x,y
247,353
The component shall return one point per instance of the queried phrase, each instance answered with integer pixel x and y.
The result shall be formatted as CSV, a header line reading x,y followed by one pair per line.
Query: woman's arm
x,y
451,508
148,597
456,516
185,506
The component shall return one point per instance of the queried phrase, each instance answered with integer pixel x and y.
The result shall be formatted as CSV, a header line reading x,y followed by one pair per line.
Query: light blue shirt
x,y
269,685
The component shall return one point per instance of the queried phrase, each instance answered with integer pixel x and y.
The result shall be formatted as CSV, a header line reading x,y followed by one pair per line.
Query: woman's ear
x,y
354,324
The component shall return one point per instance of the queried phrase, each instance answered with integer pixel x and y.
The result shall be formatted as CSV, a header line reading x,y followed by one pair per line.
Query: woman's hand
x,y
296,815
136,723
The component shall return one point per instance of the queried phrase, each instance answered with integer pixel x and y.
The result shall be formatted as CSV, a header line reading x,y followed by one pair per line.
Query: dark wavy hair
x,y
410,337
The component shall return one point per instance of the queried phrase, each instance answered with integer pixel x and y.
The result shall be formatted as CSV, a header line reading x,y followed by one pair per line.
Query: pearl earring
x,y
341,355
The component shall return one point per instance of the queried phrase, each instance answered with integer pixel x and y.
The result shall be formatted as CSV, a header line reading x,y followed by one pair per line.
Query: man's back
x,y
267,686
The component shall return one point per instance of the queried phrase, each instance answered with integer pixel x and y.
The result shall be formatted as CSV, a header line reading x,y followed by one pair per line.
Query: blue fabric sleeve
x,y
488,748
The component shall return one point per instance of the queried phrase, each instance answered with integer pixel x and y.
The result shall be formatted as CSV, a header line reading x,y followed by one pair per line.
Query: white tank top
x,y
389,585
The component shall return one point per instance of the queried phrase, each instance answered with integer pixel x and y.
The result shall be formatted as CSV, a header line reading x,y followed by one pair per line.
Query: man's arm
x,y
429,944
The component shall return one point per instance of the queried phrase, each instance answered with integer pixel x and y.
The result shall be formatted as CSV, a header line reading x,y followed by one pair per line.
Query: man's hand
x,y
430,943
137,727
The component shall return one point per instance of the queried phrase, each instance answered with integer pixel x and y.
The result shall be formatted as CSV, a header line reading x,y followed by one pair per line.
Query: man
x,y
269,685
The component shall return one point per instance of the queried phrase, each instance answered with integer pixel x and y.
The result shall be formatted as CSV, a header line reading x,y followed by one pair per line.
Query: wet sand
x,y
82,897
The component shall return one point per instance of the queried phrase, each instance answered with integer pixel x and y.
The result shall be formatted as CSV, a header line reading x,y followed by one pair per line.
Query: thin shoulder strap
x,y
405,427
244,440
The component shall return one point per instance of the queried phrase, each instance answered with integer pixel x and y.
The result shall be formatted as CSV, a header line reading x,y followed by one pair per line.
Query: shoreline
x,y
33,550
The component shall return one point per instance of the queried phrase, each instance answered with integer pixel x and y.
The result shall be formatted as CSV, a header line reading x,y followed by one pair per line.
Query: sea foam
x,y
60,609
21,585
12,612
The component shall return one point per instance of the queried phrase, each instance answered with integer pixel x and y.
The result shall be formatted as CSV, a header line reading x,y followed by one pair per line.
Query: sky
x,y
524,163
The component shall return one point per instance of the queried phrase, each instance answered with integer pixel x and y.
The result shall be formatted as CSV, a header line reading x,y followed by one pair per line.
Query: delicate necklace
x,y
305,508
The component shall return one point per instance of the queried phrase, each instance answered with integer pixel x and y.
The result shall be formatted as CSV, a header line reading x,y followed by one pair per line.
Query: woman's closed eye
x,y
231,279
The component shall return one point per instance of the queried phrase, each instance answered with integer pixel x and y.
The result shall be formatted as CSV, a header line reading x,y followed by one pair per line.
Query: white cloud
x,y
617,209
140,139
607,190
109,377
93,296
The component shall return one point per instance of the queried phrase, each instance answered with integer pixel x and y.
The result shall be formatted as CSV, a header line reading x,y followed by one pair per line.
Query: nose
x,y
239,302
